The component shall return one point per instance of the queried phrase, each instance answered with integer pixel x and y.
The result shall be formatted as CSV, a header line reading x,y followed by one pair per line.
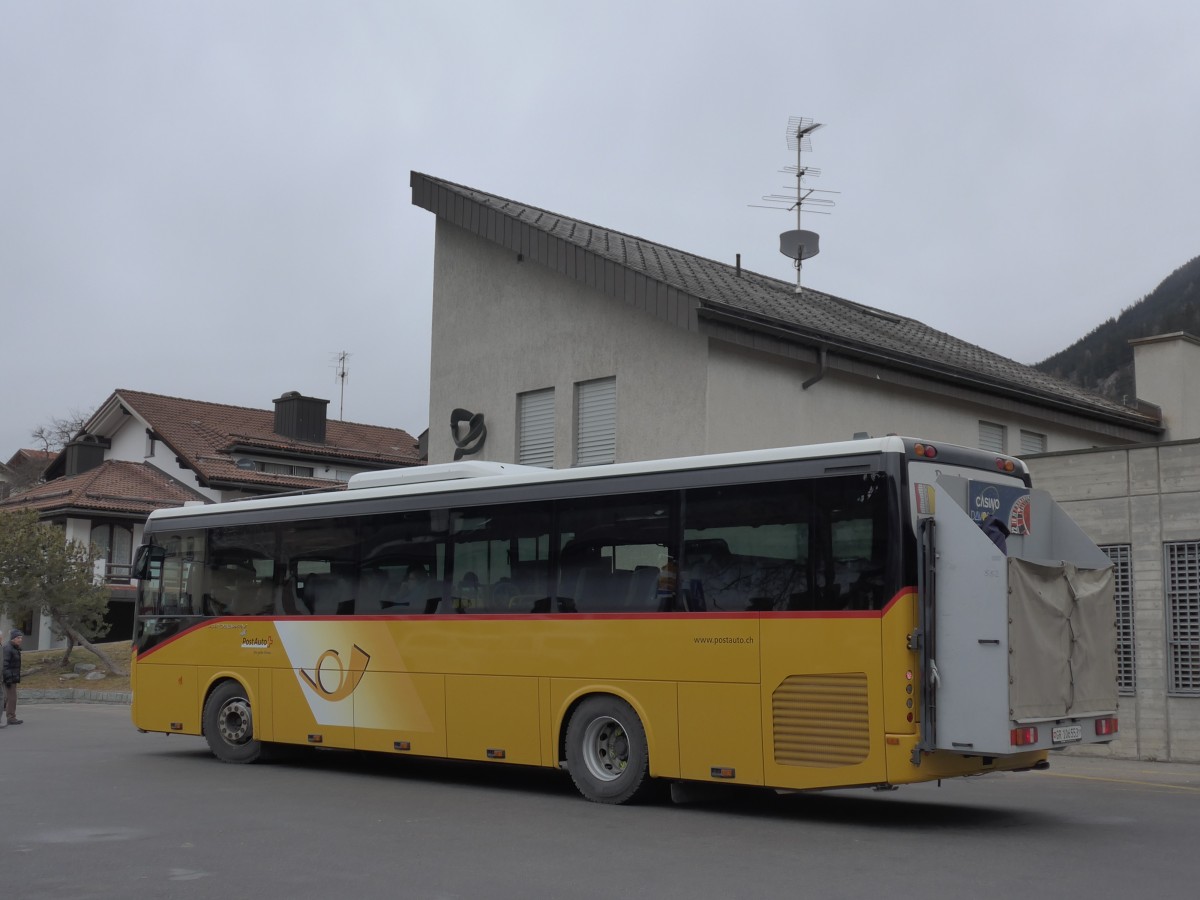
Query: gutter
x,y
823,343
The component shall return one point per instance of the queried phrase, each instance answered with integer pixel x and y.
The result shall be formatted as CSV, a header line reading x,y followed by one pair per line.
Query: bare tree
x,y
59,431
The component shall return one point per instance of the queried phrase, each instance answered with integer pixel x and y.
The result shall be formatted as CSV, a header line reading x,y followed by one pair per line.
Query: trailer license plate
x,y
1065,734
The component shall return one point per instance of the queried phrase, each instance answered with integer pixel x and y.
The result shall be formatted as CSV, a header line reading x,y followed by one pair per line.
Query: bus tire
x,y
606,751
229,726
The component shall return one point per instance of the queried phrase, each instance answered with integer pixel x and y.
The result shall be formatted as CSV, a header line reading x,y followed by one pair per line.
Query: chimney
x,y
300,418
83,454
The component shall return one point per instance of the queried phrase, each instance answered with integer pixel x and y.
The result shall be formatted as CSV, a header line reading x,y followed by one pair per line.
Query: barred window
x,y
1123,594
1182,570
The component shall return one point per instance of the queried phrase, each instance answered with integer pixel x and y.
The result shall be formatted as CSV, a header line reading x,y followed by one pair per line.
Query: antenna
x,y
799,244
342,374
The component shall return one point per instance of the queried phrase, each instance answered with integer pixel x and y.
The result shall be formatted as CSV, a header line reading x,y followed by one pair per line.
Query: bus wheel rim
x,y
605,749
234,721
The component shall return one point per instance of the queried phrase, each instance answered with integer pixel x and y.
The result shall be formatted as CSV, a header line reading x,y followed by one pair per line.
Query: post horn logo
x,y
345,679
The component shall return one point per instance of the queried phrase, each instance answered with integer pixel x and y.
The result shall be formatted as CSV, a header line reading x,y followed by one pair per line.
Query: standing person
x,y
12,674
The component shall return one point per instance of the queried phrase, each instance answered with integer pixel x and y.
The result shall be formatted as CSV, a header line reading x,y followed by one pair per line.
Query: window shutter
x,y
991,437
1032,442
535,429
596,425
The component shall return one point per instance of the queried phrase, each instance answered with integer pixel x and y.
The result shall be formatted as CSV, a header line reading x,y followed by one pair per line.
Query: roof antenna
x,y
799,244
342,374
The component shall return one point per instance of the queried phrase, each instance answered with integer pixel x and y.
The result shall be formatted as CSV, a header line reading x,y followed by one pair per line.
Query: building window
x,y
1123,595
596,422
1182,565
1032,442
535,428
993,437
113,544
271,468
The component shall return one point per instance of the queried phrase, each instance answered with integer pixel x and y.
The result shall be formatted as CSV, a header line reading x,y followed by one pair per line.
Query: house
x,y
22,471
141,451
557,342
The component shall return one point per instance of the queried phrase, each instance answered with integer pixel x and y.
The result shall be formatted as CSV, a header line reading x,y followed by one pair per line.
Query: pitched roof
x,y
690,290
206,435
25,457
115,487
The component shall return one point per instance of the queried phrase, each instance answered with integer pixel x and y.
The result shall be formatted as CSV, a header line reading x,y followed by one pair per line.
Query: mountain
x,y
1102,360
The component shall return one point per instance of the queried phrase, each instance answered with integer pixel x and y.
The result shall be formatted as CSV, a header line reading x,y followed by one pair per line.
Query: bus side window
x,y
747,548
855,542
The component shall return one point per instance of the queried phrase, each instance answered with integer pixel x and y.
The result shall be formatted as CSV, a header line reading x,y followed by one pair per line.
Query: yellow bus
x,y
867,613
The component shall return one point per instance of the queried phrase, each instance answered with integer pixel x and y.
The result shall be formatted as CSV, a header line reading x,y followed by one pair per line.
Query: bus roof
x,y
475,475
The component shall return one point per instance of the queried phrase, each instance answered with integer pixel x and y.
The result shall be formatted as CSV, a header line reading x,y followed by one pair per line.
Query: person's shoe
x,y
15,721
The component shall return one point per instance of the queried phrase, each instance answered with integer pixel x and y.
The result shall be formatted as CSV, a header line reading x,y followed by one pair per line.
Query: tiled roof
x,y
115,487
205,435
759,301
25,457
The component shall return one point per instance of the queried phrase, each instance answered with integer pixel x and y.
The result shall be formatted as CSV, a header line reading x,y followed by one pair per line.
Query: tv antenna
x,y
799,244
342,374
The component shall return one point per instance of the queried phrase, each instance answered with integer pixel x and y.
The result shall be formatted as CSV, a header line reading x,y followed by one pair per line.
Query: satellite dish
x,y
799,244
245,464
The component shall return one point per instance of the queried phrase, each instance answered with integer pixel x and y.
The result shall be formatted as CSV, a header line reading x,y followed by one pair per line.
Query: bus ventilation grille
x,y
821,720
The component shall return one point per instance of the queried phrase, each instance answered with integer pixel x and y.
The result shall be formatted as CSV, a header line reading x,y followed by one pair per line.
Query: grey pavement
x,y
93,809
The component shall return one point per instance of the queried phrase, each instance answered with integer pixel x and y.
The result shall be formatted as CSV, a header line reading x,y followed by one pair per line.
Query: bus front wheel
x,y
606,751
228,725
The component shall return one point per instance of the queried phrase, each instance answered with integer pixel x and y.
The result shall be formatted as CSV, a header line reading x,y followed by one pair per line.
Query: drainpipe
x,y
821,370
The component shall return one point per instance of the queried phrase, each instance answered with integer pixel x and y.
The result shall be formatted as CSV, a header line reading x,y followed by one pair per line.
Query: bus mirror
x,y
146,556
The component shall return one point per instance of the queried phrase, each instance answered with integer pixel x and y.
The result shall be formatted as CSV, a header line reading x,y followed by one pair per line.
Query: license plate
x,y
1065,734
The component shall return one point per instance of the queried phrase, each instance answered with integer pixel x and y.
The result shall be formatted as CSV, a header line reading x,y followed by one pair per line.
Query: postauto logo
x,y
333,680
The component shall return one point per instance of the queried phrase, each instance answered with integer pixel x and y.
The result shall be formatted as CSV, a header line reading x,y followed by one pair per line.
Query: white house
x,y
141,451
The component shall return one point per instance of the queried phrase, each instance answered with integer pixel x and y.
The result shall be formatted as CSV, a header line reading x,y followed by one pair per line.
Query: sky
x,y
211,199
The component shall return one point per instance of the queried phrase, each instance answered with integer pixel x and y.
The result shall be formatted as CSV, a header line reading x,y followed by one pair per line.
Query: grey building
x,y
580,344
1141,504
561,343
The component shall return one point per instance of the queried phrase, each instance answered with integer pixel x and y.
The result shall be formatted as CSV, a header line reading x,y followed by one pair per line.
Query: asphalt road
x,y
89,808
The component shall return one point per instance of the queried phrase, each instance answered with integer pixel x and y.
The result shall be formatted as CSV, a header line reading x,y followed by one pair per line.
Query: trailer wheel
x,y
606,751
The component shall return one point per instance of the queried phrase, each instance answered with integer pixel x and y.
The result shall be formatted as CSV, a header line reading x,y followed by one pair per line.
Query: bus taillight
x,y
1005,465
1106,725
926,450
1023,737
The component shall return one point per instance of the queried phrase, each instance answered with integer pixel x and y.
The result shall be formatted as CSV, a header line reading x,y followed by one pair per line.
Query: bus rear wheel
x,y
229,725
606,751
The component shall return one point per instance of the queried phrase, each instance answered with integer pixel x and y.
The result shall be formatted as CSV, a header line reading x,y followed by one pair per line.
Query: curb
x,y
75,695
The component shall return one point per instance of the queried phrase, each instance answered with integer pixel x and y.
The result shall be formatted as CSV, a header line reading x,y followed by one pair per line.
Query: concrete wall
x,y
1141,496
503,327
756,400
1167,370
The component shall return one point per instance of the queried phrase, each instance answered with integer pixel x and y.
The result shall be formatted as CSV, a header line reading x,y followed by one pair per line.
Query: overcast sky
x,y
211,199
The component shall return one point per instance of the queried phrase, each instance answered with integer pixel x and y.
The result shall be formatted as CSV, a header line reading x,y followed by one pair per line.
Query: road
x,y
92,809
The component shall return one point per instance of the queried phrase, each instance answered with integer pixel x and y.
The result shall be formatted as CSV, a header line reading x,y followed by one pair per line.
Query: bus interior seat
x,y
373,592
220,592
642,594
328,594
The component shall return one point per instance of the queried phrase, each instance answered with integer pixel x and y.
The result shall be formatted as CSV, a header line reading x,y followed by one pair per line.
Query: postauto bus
x,y
868,613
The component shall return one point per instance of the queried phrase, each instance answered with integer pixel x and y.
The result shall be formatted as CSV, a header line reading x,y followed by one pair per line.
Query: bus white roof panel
x,y
450,477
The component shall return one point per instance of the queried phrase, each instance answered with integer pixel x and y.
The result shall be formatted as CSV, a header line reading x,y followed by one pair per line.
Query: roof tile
x,y
115,487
